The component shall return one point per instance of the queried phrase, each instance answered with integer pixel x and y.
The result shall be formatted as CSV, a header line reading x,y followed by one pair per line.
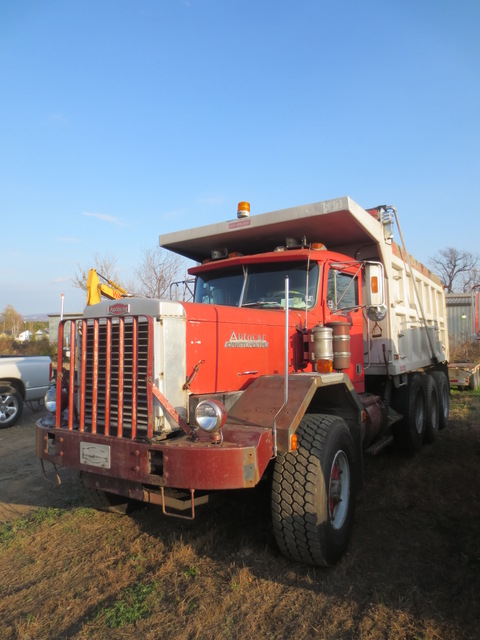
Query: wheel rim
x,y
339,490
8,408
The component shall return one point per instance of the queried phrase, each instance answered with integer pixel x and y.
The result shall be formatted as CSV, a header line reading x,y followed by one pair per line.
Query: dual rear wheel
x,y
424,404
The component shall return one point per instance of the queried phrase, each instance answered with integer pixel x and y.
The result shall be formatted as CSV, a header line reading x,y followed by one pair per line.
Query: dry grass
x,y
412,570
468,351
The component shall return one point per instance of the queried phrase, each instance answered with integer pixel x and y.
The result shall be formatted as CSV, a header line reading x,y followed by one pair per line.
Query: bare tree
x,y
473,280
105,265
458,270
154,277
157,272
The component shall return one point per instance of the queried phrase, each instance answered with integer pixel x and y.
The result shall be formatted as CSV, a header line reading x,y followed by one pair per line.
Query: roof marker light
x,y
243,210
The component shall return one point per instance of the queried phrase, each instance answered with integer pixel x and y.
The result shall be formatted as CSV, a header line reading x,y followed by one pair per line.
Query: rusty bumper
x,y
238,462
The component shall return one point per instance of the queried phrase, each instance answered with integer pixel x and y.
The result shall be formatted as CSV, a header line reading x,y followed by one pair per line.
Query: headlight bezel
x,y
210,416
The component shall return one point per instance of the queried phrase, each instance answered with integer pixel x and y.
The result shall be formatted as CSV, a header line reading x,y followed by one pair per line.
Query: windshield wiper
x,y
263,303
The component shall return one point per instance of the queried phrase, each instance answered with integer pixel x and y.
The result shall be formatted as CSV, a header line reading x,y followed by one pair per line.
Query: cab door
x,y
343,308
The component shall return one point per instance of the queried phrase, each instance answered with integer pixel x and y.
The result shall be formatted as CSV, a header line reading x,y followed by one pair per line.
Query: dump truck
x,y
313,340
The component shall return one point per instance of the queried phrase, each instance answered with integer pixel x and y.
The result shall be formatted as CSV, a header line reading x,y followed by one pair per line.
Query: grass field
x,y
412,570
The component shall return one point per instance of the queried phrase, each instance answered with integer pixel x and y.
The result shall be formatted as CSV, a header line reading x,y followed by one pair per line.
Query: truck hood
x,y
229,346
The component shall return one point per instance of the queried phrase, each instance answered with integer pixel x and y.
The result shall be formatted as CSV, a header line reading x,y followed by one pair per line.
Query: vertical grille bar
x,y
95,378
108,369
121,371
71,379
134,377
149,379
83,381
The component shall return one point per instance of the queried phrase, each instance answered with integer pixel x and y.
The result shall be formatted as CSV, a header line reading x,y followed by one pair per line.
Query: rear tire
x,y
409,400
431,408
443,392
314,492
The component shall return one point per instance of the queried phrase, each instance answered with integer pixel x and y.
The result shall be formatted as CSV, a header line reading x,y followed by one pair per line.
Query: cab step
x,y
379,445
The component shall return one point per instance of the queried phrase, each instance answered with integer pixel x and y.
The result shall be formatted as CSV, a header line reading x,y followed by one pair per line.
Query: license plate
x,y
95,455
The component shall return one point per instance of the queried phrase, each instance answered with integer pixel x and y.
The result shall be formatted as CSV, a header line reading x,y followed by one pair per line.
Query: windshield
x,y
260,285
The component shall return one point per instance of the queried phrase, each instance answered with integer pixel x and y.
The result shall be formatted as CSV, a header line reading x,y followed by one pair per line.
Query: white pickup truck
x,y
22,379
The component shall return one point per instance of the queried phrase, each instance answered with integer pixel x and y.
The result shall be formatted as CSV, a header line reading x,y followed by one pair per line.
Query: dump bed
x,y
340,224
413,333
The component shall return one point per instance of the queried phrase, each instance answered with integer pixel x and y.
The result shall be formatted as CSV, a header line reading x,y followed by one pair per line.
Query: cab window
x,y
342,290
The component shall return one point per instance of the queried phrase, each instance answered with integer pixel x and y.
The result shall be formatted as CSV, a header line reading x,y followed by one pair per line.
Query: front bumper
x,y
182,463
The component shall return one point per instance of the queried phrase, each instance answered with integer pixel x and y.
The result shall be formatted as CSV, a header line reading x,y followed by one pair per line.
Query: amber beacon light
x,y
243,210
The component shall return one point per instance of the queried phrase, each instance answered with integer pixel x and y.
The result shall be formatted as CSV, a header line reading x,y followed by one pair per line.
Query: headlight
x,y
51,399
210,415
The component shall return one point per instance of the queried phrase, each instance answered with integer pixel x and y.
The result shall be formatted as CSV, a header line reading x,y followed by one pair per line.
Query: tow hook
x,y
59,481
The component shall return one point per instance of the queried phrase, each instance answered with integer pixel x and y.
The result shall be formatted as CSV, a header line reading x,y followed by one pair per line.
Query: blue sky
x,y
121,120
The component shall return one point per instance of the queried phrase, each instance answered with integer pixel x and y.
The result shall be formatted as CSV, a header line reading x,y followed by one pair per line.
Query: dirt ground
x,y
23,486
412,570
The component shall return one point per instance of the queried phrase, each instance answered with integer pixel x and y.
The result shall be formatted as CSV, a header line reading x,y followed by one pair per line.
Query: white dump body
x,y
414,332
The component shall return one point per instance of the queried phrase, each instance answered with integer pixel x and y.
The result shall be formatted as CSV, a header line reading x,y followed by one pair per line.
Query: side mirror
x,y
374,285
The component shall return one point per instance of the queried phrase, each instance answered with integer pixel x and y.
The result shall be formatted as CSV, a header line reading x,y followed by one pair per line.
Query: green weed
x,y
10,531
191,572
136,603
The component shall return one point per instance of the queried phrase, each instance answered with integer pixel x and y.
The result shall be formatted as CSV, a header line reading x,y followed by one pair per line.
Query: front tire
x,y
314,492
11,406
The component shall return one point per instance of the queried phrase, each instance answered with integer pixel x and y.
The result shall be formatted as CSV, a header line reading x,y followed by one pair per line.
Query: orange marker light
x,y
324,366
374,284
293,442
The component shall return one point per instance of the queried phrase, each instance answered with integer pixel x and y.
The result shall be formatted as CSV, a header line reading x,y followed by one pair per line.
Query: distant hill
x,y
36,317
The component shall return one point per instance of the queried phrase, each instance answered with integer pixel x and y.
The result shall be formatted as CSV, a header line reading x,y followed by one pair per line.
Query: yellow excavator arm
x,y
97,289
